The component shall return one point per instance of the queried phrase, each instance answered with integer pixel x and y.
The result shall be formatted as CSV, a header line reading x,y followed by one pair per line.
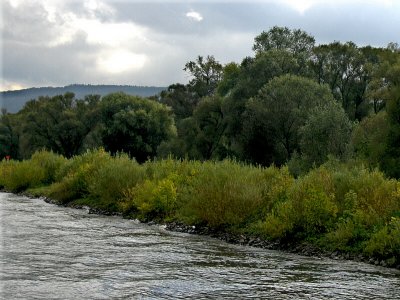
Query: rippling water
x,y
52,252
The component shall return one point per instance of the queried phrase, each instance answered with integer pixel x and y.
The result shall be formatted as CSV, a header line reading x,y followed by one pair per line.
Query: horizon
x,y
82,84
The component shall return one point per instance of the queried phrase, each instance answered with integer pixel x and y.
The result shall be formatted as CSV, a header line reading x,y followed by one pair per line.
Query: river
x,y
53,252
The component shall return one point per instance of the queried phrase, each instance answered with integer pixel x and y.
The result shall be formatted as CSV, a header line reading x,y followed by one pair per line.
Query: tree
x,y
281,108
344,68
230,75
327,131
135,125
206,75
202,135
180,99
391,160
282,38
369,138
51,123
8,137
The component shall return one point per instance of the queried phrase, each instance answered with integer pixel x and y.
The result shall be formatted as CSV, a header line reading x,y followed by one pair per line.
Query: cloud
x,y
120,61
195,16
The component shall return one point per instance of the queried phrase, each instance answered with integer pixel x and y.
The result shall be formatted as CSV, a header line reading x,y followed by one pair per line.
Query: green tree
x,y
327,131
369,138
180,99
391,160
135,125
206,75
344,68
8,137
281,108
282,38
202,135
51,123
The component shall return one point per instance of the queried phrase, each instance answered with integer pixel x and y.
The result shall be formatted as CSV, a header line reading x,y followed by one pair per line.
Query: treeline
x,y
337,207
13,101
293,102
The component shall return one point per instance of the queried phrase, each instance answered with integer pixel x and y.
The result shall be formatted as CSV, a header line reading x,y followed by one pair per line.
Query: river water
x,y
52,252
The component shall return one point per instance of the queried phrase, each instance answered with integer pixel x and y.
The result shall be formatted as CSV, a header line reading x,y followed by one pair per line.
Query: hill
x,y
13,101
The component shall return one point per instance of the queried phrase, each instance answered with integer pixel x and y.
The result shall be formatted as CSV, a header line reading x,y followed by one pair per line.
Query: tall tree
x,y
206,73
51,123
281,108
343,68
282,38
135,125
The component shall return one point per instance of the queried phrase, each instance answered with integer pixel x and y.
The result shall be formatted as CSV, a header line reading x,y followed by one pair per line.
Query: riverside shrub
x,y
74,177
152,199
17,176
222,194
385,243
108,182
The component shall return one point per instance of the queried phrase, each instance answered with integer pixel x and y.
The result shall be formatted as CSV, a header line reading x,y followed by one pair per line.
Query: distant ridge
x,y
13,101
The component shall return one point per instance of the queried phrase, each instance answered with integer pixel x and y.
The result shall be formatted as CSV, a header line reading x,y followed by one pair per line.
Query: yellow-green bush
x,y
153,199
17,176
74,176
309,208
279,222
50,162
385,243
108,182
222,194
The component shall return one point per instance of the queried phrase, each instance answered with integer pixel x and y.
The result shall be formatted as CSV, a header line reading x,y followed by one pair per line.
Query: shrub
x,y
385,243
18,176
108,182
153,199
280,222
73,177
50,162
222,194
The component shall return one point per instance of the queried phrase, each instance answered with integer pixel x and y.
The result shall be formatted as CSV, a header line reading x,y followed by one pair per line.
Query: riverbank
x,y
336,210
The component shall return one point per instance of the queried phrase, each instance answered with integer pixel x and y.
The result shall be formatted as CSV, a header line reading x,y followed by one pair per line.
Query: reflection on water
x,y
51,252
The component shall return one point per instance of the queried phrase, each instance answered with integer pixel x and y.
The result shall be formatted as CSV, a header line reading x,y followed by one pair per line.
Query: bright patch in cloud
x,y
121,61
11,86
303,5
195,16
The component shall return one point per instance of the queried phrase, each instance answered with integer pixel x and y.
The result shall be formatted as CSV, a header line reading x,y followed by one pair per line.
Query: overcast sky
x,y
59,42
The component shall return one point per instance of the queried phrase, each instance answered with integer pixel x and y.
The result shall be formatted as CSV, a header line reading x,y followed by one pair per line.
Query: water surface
x,y
52,252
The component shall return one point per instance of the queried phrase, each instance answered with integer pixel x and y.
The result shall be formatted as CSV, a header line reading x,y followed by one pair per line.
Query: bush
x,y
153,199
222,194
74,176
385,243
108,182
18,176
309,209
50,162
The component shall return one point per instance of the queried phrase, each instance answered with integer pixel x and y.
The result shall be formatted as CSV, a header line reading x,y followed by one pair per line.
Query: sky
x,y
147,43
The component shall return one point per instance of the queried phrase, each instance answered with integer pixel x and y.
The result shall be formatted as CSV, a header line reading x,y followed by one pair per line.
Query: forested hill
x,y
13,101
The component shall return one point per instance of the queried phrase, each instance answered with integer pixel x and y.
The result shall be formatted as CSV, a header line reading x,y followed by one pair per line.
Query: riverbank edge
x,y
303,248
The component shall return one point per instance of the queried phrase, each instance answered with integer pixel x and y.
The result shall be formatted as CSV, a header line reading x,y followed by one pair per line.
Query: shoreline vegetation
x,y
336,210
